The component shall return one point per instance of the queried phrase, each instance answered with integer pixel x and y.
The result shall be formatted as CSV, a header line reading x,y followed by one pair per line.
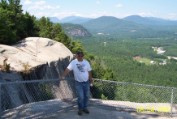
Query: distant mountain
x,y
74,20
131,26
54,19
109,25
70,19
75,30
150,20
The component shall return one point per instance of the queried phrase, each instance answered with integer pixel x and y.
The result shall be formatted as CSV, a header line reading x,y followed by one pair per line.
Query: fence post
x,y
171,102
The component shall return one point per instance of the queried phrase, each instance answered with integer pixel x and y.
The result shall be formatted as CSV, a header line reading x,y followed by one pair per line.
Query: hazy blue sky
x,y
166,9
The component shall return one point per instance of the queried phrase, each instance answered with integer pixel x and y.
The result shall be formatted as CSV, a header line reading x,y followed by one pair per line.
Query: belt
x,y
82,81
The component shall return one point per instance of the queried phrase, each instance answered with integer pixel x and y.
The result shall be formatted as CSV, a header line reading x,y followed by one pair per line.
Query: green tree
x,y
12,22
30,28
7,34
45,27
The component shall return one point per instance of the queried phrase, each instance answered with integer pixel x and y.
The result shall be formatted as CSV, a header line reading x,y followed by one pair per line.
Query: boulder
x,y
31,52
34,58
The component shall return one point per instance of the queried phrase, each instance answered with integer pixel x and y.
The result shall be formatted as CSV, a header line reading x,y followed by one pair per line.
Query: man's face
x,y
80,57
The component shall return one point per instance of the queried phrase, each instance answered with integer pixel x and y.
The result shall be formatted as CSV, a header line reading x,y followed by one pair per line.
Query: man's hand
x,y
65,73
91,82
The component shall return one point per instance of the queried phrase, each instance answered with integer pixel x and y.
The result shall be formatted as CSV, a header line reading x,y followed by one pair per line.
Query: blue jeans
x,y
83,94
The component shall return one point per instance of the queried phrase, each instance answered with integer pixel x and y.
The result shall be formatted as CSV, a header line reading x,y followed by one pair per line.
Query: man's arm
x,y
65,73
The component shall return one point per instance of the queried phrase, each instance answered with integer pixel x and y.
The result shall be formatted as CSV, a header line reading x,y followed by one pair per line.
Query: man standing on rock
x,y
83,78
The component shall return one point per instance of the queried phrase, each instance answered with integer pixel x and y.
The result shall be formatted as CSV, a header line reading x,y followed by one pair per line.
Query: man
x,y
83,77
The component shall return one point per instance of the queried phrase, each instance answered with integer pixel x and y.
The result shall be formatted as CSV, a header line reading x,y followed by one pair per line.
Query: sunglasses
x,y
80,55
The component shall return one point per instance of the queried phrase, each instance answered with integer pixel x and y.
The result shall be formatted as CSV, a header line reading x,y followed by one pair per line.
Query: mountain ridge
x,y
70,19
149,20
79,20
131,26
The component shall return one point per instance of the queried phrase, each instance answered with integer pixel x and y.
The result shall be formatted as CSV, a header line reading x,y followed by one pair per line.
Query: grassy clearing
x,y
143,60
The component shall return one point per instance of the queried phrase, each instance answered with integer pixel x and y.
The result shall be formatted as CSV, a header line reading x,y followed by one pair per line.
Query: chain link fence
x,y
14,94
138,97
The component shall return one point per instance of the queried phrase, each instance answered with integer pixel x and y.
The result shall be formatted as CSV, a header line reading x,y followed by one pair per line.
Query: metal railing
x,y
142,97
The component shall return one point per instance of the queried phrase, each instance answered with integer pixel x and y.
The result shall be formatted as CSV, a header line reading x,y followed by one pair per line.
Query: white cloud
x,y
40,8
42,5
146,14
41,2
172,16
98,2
119,5
65,14
27,2
57,14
